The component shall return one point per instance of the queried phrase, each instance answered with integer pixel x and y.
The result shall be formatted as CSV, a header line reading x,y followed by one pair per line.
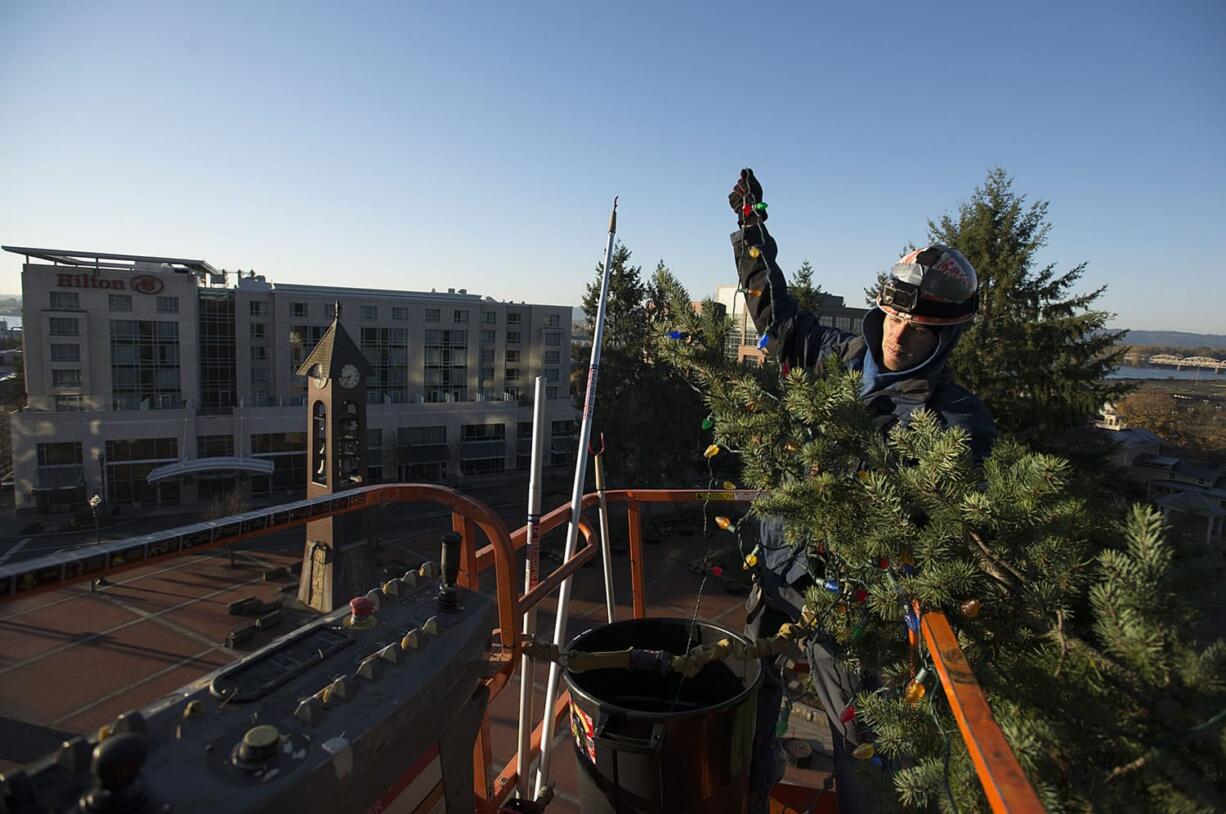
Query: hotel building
x,y
158,380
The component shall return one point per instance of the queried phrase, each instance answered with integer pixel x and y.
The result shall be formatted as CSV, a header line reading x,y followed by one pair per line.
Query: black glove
x,y
745,199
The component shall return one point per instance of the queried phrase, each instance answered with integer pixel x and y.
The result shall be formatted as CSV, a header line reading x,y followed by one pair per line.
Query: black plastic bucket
x,y
646,742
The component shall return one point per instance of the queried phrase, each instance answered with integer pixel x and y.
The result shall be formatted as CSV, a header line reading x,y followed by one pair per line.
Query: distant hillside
x,y
1176,339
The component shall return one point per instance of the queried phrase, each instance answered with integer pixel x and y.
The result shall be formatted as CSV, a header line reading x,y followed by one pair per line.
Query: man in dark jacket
x,y
921,311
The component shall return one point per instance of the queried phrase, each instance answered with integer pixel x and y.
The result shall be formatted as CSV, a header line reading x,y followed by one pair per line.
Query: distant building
x,y
743,342
137,362
1172,483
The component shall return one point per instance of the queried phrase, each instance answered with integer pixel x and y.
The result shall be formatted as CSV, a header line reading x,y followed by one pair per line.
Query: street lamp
x,y
94,503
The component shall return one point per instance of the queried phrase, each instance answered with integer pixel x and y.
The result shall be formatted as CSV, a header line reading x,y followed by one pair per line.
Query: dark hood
x,y
877,378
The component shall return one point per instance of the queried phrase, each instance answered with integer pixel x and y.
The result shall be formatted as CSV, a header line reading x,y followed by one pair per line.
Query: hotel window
x,y
144,365
400,313
218,361
512,374
387,351
128,464
433,314
66,378
512,356
65,353
489,318
459,317
65,301
288,453
68,404
259,375
512,337
168,305
120,302
551,392
552,321
259,353
370,312
257,330
487,355
59,480
214,446
298,310
63,326
446,365
552,375
259,309
513,319
552,357
487,336
553,338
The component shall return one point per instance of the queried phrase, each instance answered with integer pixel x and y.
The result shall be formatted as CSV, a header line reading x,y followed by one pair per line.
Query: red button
x,y
361,607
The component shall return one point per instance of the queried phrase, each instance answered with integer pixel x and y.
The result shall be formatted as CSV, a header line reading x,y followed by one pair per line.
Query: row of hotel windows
x,y
413,453
71,301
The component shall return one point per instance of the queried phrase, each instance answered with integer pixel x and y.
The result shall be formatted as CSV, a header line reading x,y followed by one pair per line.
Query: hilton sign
x,y
140,283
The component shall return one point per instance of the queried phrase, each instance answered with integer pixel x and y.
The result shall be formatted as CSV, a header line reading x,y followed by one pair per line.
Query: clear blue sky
x,y
413,145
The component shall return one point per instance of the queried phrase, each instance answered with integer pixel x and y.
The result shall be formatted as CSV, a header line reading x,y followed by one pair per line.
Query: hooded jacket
x,y
796,339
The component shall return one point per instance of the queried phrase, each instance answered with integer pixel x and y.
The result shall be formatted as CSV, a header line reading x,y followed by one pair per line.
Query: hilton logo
x,y
141,283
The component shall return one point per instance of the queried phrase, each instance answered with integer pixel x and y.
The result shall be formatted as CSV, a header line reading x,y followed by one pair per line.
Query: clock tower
x,y
338,563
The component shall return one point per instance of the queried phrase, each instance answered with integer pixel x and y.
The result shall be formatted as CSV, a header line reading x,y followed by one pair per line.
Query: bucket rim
x,y
732,701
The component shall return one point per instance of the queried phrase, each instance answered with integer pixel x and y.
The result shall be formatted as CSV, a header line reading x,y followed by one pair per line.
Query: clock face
x,y
349,377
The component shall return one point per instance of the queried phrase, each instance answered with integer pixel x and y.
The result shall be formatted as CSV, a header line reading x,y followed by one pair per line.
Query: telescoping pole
x,y
527,670
576,502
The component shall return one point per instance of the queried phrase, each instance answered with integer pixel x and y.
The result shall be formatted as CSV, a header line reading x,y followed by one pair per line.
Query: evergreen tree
x,y
648,414
1079,619
1039,352
807,295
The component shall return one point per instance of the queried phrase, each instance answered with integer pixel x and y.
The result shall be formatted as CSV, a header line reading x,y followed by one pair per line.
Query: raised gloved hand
x,y
746,200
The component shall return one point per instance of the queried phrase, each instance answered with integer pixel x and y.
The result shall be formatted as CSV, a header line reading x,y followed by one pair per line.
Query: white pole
x,y
605,552
527,669
576,502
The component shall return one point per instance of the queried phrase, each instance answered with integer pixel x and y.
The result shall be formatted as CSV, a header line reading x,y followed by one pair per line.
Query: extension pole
x,y
576,503
605,552
527,668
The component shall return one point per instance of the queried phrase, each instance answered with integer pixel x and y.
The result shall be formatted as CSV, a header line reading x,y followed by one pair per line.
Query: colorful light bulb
x,y
717,571
751,560
729,485
912,620
832,585
860,596
762,340
857,632
676,335
708,423
864,751
755,252
915,689
883,563
756,292
970,608
711,451
724,523
848,714
760,206
878,762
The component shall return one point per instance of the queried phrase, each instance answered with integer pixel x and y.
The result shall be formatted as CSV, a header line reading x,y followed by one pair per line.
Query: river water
x,y
1125,372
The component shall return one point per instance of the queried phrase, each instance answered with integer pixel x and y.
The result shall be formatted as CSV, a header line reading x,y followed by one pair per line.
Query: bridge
x,y
1180,362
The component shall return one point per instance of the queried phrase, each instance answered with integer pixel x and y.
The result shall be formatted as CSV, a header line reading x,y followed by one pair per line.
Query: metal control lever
x,y
446,598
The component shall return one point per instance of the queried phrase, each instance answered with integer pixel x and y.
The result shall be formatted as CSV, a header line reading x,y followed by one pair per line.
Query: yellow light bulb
x,y
755,292
724,523
754,251
970,608
711,451
790,446
751,560
729,485
864,751
914,693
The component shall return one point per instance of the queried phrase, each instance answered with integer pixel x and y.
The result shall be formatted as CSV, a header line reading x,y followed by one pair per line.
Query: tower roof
x,y
335,349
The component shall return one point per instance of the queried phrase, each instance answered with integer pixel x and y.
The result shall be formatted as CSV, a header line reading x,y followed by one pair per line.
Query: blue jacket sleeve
x,y
793,336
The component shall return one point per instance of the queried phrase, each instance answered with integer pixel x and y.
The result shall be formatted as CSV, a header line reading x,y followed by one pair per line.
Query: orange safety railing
x,y
1000,773
1004,783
